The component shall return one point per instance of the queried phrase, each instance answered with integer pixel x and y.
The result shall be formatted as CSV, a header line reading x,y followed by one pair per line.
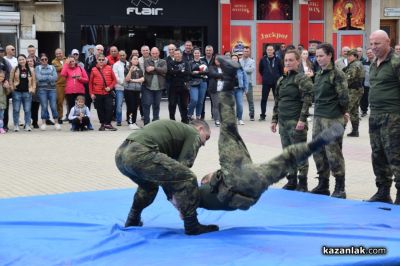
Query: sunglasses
x,y
75,54
100,60
43,59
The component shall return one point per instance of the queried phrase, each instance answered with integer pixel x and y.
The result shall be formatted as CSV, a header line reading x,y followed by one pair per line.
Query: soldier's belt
x,y
355,85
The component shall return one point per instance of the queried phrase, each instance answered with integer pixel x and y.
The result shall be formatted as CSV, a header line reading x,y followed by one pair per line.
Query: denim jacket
x,y
46,77
243,83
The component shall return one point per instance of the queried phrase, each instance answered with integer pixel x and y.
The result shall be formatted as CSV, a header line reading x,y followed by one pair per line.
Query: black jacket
x,y
270,69
213,77
178,73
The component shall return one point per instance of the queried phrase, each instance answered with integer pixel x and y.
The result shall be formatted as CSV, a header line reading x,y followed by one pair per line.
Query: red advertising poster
x,y
352,41
274,9
316,9
272,33
348,14
240,37
316,31
334,43
242,9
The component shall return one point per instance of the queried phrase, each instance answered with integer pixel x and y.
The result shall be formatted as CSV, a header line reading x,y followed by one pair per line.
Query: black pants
x,y
80,125
5,119
364,100
35,112
266,88
88,99
178,96
132,100
104,107
71,98
203,114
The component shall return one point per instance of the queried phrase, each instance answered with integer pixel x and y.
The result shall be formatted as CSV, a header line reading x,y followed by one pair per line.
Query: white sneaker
x,y
241,122
57,126
133,126
43,127
217,123
28,128
16,128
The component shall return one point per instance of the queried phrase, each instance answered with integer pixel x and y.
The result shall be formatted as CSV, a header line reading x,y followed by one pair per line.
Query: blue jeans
x,y
46,97
1,118
239,103
197,95
151,98
24,98
119,99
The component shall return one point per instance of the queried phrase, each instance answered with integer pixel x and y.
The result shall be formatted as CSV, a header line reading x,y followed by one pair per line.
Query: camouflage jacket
x,y
354,72
293,97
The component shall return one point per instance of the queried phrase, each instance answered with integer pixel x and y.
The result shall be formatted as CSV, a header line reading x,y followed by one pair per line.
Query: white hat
x,y
75,51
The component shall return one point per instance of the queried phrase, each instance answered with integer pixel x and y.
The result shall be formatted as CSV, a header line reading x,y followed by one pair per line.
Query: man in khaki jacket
x,y
58,63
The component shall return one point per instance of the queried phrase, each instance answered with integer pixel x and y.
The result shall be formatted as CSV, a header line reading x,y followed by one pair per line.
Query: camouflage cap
x,y
353,52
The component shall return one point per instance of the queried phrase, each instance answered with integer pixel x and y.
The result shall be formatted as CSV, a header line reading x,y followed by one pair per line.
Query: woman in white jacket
x,y
120,69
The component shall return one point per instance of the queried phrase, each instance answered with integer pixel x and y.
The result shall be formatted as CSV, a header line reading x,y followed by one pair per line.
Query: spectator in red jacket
x,y
101,86
113,57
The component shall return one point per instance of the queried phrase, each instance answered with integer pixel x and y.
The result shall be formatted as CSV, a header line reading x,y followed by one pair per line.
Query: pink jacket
x,y
74,85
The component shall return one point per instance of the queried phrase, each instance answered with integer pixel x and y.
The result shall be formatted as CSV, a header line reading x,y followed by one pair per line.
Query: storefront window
x,y
274,9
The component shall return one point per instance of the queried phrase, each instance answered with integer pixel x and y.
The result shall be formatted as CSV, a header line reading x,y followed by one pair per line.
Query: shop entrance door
x,y
390,26
48,42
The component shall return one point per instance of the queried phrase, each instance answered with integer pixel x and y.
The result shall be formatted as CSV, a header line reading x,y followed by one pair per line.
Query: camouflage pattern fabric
x,y
149,169
384,133
289,135
329,158
355,75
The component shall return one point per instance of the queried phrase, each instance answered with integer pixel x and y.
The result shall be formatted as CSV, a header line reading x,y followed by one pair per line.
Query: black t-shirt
x,y
23,85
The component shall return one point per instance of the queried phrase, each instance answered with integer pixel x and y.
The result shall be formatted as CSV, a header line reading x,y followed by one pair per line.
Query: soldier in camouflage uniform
x,y
384,120
160,155
240,183
293,98
354,72
331,105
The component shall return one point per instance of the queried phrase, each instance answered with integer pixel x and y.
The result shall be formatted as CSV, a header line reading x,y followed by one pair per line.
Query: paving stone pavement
x,y
50,162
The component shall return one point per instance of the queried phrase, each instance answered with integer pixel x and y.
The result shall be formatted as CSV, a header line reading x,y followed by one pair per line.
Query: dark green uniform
x,y
355,75
384,121
240,183
293,98
160,155
331,103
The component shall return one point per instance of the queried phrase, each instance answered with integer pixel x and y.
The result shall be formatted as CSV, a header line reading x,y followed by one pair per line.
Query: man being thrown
x,y
160,155
239,183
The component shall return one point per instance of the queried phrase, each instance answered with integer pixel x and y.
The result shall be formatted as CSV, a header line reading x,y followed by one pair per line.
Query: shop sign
x,y
348,14
392,12
145,8
240,37
316,9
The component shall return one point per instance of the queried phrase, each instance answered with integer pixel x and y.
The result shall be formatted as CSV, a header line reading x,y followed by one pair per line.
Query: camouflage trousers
x,y
242,182
149,169
289,135
384,135
355,96
330,158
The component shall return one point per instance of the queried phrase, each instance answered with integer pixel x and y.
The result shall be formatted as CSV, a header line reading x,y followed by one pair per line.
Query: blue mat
x,y
284,228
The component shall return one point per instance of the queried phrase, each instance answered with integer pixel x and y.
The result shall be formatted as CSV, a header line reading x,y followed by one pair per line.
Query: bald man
x,y
342,62
154,82
384,120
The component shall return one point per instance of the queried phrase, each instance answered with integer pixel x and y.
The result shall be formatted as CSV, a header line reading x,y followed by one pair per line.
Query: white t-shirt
x,y
13,61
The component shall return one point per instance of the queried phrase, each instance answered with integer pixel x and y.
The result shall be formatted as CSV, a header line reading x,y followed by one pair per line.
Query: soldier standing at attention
x,y
293,98
240,183
384,120
331,104
354,72
160,155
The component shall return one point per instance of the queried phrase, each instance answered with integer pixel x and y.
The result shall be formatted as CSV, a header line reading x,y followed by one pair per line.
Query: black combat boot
x,y
302,186
134,219
397,201
383,193
323,187
292,183
354,132
339,188
193,227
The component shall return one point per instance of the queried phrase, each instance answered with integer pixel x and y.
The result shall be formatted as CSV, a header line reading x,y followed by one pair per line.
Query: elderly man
x,y
161,155
154,82
397,49
342,61
113,57
384,120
